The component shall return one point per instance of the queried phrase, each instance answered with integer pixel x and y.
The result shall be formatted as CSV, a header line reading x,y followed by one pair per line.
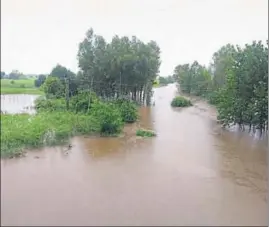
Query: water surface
x,y
192,173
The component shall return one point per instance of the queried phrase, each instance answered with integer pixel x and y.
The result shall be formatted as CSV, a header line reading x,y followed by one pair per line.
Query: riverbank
x,y
53,124
23,131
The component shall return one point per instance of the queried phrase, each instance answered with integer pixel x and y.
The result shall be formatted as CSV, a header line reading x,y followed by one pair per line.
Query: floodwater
x,y
18,103
192,173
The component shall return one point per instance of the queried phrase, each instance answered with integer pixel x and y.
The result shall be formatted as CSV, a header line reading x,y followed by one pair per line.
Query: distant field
x,y
25,86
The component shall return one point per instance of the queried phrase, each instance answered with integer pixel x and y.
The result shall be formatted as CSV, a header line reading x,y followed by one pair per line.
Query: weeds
x,y
180,101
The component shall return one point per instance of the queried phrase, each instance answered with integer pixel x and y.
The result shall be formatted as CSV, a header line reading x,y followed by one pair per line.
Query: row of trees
x,y
236,81
121,68
166,80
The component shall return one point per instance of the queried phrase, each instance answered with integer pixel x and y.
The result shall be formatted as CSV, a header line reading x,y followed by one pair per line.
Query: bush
x,y
22,131
42,104
213,97
128,110
180,101
80,102
108,117
22,85
145,133
12,82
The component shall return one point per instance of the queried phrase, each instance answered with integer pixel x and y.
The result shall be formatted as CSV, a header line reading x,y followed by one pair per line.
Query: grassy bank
x,y
23,131
25,86
53,124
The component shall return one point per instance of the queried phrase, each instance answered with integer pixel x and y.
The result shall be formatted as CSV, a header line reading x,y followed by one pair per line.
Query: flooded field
x,y
18,103
192,173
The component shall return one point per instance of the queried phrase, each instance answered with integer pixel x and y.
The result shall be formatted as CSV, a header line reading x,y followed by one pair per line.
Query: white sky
x,y
38,34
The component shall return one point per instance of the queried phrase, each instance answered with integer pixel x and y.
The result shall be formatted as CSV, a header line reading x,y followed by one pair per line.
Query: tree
x,y
3,74
40,80
66,76
53,87
122,68
15,75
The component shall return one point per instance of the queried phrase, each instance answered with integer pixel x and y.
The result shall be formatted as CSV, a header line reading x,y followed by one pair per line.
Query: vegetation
x,y
145,133
236,82
113,78
166,80
122,68
22,131
21,86
180,101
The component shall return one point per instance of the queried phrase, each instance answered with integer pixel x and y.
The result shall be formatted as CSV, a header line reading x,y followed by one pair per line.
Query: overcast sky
x,y
38,34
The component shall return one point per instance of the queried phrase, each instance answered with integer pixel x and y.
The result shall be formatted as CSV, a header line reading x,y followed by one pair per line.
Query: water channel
x,y
192,173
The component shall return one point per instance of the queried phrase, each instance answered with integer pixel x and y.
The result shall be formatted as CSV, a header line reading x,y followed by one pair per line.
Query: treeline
x,y
17,75
236,82
166,80
123,67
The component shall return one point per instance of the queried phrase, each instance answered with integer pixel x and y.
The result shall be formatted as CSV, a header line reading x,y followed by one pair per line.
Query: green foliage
x,y
42,104
40,80
128,110
108,117
145,133
193,79
20,86
53,87
22,131
180,101
244,98
236,82
83,102
123,67
166,80
66,77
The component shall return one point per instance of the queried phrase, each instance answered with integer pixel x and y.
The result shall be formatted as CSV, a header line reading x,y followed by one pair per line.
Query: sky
x,y
38,34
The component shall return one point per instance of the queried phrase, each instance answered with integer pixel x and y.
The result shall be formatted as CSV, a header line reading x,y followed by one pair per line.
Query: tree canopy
x,y
237,82
123,67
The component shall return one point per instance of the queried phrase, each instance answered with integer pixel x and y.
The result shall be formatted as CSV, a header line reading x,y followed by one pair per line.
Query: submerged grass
x,y
23,131
145,133
180,101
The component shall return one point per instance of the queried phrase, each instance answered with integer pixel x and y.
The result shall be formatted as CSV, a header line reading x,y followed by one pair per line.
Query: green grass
x,y
7,90
25,86
145,133
23,131
180,101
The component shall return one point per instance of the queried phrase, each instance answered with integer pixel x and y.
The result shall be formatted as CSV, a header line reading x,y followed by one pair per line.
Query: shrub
x,y
42,104
128,110
108,117
145,133
180,101
22,131
80,102
12,82
22,85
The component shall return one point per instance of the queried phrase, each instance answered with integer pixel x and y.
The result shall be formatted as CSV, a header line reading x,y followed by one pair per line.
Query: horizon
x,y
38,35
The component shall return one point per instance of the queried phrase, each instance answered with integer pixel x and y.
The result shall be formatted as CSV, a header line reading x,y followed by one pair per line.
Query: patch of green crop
x,y
145,133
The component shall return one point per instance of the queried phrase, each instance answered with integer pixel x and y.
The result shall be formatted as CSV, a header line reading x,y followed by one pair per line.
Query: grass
x,y
180,101
23,86
23,131
145,133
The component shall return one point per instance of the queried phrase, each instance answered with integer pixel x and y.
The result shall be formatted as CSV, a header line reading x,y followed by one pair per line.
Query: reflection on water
x,y
18,103
192,173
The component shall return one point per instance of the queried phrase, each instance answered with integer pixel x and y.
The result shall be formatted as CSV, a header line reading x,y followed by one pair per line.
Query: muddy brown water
x,y
192,173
